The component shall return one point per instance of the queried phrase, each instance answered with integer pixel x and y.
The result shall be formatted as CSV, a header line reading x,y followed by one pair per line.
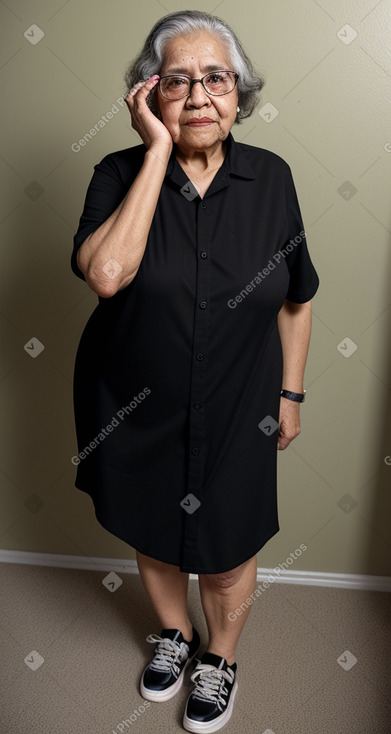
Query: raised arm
x,y
123,236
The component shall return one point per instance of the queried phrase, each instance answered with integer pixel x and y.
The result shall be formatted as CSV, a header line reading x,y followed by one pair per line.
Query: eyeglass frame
x,y
194,81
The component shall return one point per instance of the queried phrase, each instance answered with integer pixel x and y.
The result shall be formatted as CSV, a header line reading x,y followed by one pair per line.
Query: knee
x,y
230,578
227,579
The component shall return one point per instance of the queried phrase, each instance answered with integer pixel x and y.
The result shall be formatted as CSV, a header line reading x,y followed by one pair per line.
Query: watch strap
x,y
297,397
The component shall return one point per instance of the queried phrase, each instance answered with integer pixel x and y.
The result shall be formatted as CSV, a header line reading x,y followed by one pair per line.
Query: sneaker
x,y
163,677
210,705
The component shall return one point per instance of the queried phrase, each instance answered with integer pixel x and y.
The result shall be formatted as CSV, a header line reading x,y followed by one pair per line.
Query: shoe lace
x,y
210,684
168,653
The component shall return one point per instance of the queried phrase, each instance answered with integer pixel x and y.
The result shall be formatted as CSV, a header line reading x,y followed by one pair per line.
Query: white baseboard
x,y
307,578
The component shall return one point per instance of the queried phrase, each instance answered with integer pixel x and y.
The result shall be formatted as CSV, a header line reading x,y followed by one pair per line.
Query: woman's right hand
x,y
151,130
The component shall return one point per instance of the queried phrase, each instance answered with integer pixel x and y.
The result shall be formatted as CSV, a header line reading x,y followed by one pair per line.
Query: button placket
x,y
196,445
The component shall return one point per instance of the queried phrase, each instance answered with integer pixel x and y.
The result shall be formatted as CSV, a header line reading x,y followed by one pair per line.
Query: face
x,y
192,55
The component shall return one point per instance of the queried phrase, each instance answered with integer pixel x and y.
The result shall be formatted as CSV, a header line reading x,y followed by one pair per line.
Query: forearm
x,y
123,236
294,324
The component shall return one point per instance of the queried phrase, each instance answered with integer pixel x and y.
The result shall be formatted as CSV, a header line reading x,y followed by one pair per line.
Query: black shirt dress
x,y
177,377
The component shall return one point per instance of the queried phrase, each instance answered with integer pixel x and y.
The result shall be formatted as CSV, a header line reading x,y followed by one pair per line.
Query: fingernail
x,y
154,77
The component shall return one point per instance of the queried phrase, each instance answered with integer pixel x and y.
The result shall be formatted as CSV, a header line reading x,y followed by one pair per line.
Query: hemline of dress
x,y
183,569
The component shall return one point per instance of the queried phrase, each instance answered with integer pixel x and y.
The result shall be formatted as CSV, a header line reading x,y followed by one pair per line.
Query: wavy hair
x,y
150,59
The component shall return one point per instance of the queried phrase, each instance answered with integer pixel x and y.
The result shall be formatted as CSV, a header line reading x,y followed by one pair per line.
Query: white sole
x,y
210,726
169,692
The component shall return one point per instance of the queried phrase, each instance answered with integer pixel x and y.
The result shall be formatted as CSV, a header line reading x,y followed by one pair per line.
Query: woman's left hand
x,y
289,422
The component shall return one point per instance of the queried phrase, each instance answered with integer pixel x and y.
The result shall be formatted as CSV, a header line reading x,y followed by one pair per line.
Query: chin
x,y
196,134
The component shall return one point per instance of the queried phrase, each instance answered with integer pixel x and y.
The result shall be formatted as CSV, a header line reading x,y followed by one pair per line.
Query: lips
x,y
196,121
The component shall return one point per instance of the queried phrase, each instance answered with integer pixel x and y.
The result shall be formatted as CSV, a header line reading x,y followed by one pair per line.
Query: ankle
x,y
229,657
187,631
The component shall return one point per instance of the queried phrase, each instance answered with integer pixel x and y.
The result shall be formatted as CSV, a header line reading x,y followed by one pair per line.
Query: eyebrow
x,y
206,69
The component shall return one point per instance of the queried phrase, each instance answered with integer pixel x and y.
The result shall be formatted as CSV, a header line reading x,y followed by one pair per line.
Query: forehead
x,y
200,48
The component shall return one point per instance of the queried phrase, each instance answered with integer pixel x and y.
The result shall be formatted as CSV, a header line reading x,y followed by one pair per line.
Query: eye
x,y
215,78
175,82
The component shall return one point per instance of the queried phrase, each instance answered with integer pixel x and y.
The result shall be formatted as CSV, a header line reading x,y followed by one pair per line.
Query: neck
x,y
202,160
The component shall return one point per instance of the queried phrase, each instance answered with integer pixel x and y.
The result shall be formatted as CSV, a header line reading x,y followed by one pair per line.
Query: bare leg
x,y
221,594
166,587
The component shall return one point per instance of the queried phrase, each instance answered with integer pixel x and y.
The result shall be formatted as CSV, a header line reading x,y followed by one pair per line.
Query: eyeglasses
x,y
216,83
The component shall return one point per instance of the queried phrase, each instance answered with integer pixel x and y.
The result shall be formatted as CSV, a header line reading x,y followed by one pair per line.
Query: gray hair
x,y
150,59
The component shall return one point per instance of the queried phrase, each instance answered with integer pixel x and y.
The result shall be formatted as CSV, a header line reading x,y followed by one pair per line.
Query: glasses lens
x,y
220,82
175,87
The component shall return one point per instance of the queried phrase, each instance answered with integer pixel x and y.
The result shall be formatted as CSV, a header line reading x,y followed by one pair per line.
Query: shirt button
x,y
195,451
203,304
204,254
203,205
200,356
197,406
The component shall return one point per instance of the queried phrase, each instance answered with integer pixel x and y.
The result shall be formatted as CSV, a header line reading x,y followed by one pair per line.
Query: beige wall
x,y
333,127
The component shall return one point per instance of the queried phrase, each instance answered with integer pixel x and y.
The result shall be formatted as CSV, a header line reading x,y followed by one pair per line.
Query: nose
x,y
197,97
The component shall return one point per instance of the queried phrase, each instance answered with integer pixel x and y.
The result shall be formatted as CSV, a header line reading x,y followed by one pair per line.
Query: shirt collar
x,y
236,162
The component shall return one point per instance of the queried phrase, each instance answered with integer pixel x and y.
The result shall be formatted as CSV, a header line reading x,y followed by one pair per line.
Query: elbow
x,y
101,291
102,282
98,282
104,285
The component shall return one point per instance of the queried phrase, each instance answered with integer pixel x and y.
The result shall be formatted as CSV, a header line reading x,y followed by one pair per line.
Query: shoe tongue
x,y
209,658
175,635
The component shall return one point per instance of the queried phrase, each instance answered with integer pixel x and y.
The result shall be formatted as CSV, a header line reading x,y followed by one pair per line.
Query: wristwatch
x,y
297,397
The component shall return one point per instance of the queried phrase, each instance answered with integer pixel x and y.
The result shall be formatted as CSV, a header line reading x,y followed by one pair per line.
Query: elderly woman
x,y
189,373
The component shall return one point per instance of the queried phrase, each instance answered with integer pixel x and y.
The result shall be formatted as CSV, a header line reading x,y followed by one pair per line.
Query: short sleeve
x,y
304,280
109,184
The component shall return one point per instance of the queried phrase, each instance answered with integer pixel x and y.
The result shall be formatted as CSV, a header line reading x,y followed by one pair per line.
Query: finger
x,y
129,96
283,444
148,84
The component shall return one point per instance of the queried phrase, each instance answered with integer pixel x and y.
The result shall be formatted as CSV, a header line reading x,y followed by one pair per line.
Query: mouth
x,y
200,121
